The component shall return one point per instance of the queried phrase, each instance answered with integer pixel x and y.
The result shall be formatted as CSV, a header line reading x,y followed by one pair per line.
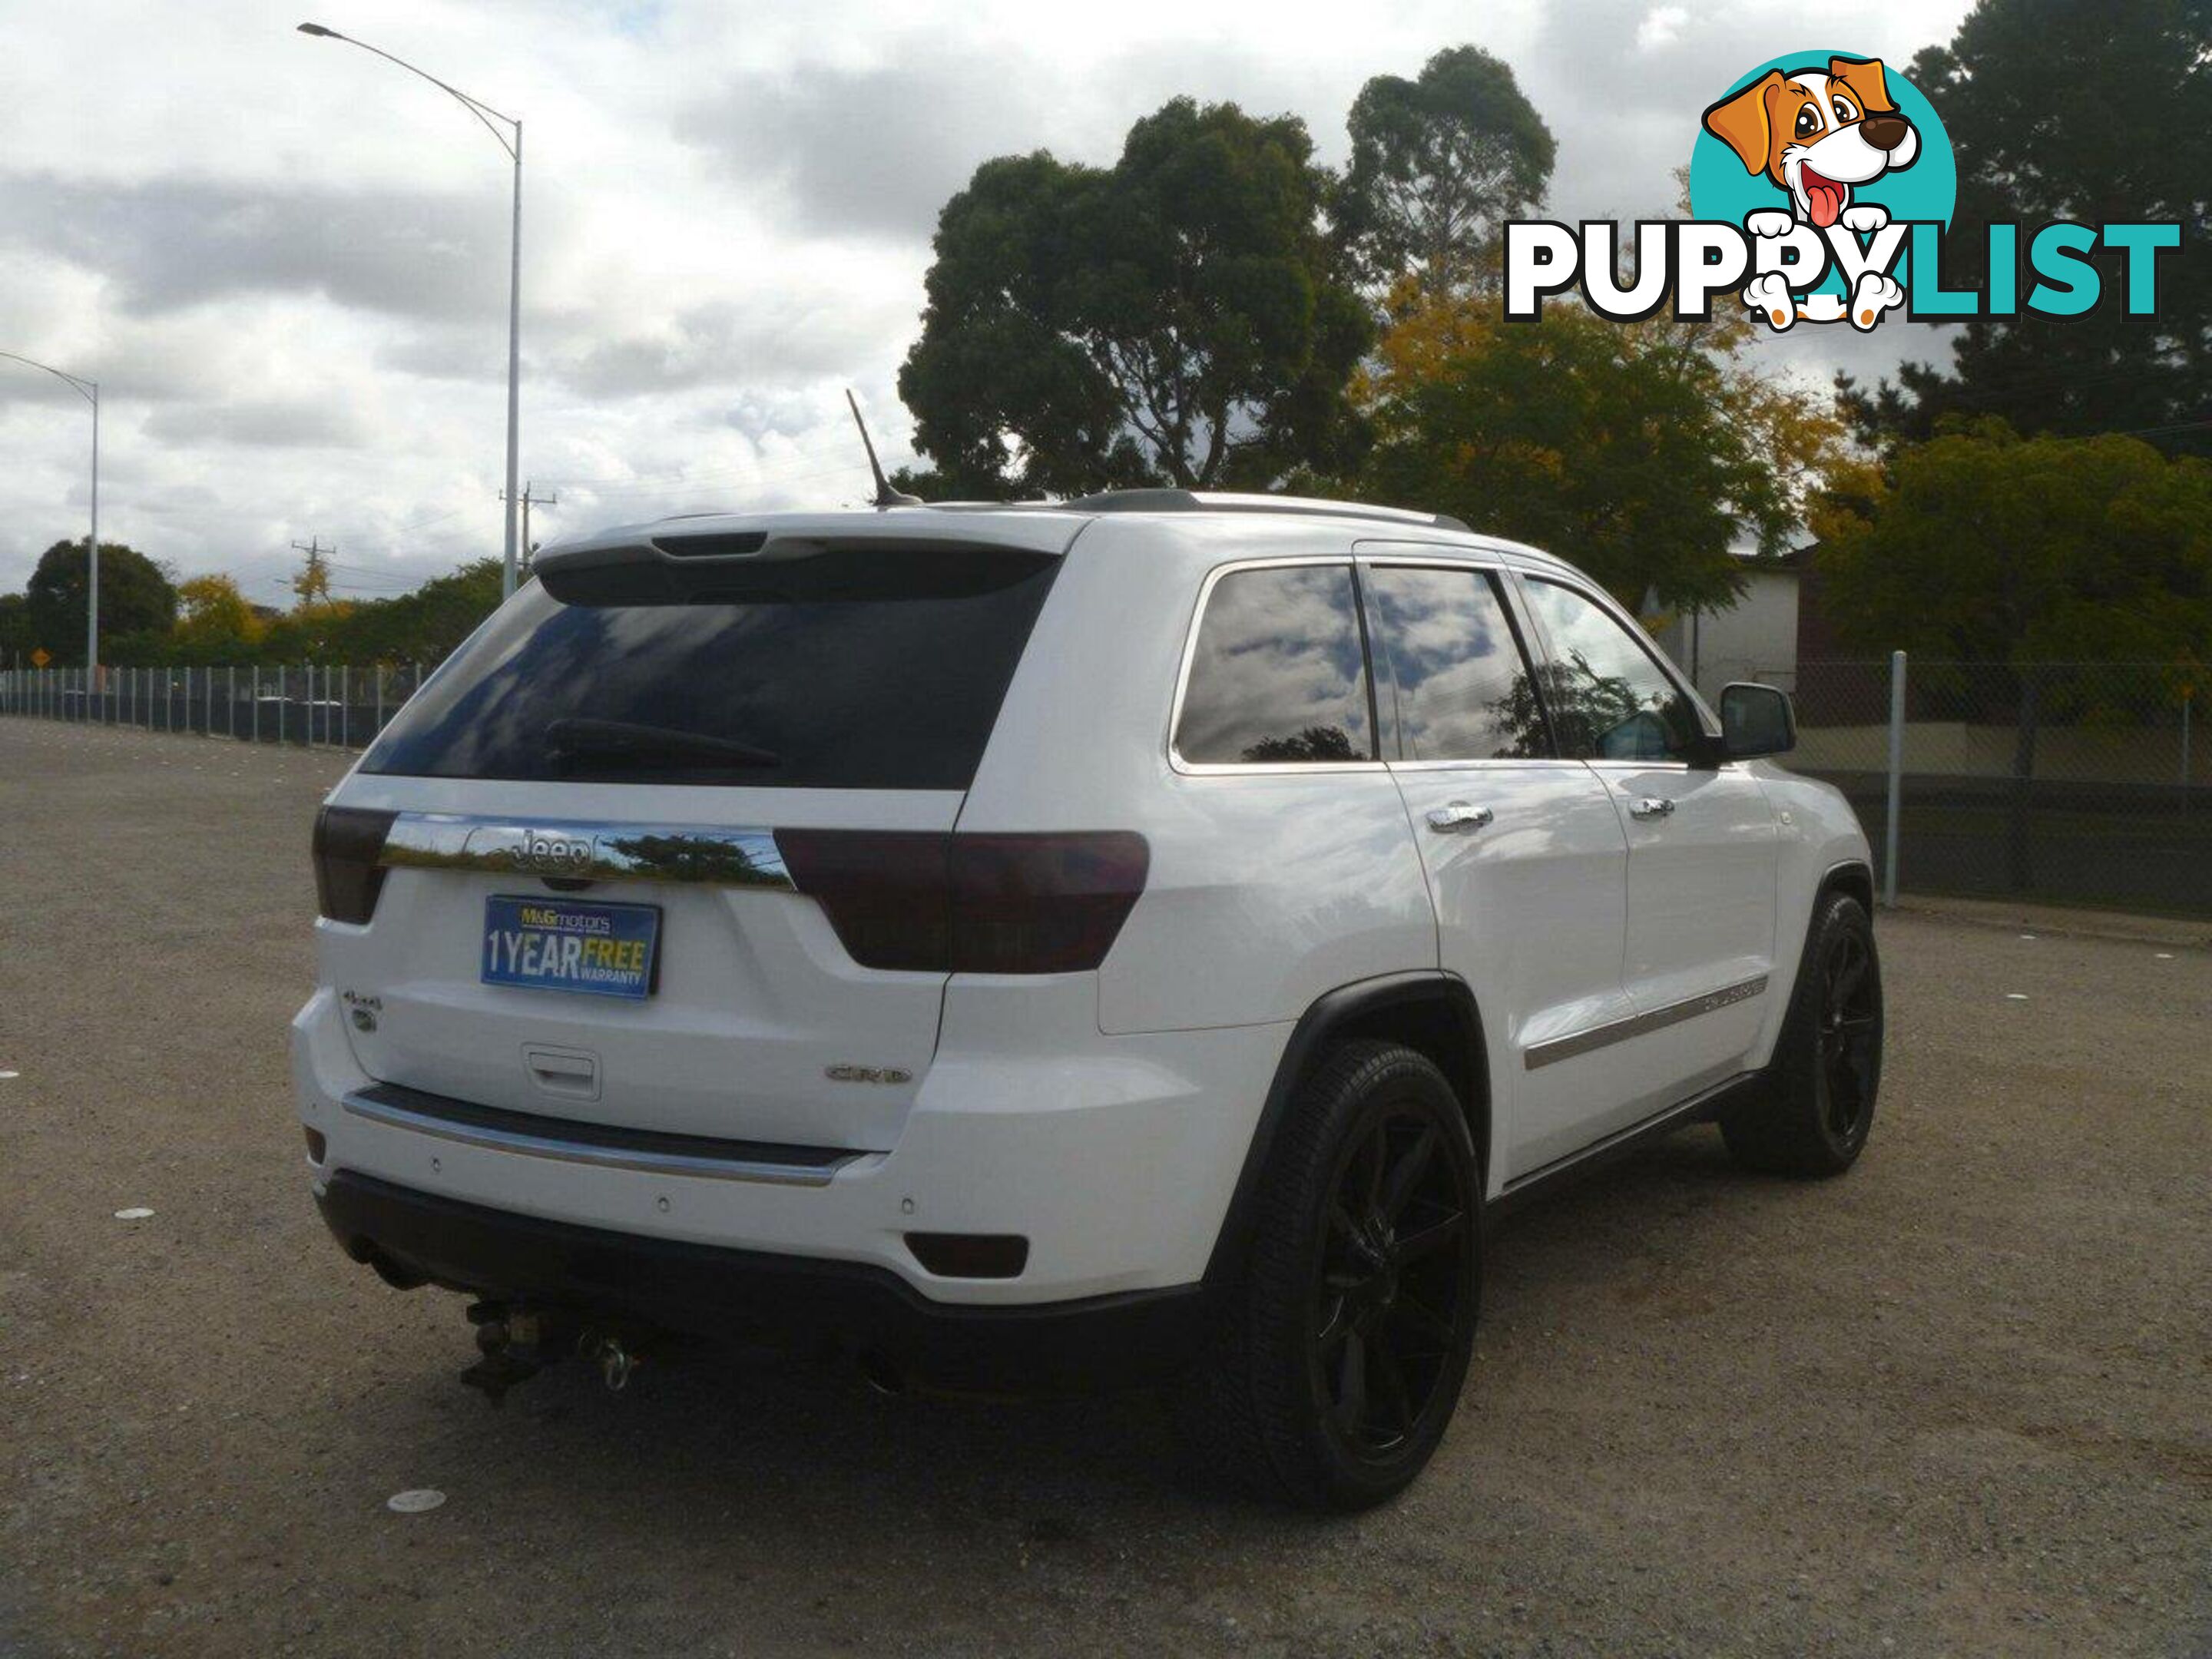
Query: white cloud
x,y
285,261
1662,27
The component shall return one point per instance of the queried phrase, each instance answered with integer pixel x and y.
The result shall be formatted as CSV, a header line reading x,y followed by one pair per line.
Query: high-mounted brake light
x,y
348,842
1049,903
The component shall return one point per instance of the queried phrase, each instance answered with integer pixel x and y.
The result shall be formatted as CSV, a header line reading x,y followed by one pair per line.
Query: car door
x,y
1699,964
1526,858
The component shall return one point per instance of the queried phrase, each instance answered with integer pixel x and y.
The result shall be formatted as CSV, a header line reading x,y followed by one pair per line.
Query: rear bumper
x,y
1095,1342
1116,1157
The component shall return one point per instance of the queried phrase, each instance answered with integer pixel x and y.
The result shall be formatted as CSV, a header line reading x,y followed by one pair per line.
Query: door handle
x,y
1651,807
1458,815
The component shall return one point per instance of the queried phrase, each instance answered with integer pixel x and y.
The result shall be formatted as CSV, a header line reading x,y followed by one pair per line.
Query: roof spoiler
x,y
917,554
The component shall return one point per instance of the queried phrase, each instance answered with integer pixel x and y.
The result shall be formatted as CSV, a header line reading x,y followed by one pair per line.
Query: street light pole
x,y
508,572
513,145
90,390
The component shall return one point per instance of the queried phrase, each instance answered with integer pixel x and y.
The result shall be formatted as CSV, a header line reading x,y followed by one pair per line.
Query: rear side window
x,y
871,671
1462,686
1279,675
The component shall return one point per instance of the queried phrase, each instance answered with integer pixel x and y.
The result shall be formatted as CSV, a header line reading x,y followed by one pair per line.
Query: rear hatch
x,y
664,846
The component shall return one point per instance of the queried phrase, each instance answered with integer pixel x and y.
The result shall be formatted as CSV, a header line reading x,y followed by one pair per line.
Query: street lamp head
x,y
319,30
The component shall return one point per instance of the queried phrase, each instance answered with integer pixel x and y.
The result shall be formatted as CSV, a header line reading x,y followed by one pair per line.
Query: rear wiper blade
x,y
576,736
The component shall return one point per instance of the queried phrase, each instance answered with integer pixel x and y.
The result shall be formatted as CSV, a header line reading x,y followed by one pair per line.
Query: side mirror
x,y
1756,720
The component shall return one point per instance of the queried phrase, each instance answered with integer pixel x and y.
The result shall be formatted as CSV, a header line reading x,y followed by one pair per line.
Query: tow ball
x,y
513,1344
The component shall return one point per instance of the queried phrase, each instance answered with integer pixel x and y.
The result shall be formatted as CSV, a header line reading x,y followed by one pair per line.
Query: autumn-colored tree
x,y
311,583
422,626
215,621
311,632
1645,452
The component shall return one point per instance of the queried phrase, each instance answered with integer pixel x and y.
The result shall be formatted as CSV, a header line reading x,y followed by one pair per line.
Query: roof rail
x,y
1191,500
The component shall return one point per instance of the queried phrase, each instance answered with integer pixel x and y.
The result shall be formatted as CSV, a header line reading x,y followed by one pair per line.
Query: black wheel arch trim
x,y
1856,871
1333,1016
1854,877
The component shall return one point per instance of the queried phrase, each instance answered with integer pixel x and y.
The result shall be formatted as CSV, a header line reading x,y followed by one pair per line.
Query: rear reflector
x,y
348,842
971,903
970,1256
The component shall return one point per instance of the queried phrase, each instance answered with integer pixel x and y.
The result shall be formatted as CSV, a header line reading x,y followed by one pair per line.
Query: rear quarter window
x,y
1279,672
877,672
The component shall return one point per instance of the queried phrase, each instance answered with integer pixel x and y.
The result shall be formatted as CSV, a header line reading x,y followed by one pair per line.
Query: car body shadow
x,y
757,1435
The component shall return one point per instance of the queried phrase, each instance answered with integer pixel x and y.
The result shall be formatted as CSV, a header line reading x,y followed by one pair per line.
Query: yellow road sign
x,y
39,659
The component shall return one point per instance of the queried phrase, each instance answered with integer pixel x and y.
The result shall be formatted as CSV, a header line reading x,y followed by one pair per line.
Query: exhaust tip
x,y
393,1272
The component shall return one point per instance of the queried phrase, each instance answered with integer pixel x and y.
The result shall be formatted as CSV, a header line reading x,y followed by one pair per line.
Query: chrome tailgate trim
x,y
582,850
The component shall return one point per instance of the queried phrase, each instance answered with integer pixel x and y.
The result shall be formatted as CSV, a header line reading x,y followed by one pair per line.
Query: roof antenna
x,y
885,496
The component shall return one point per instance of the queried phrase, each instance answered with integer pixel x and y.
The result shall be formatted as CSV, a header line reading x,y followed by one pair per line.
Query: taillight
x,y
348,842
1043,904
1050,903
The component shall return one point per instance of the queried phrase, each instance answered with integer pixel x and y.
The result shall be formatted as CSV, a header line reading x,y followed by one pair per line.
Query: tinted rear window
x,y
869,672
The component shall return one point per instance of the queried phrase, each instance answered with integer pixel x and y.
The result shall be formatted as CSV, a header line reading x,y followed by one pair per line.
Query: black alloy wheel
x,y
1850,1033
1339,1359
1814,1108
1392,1299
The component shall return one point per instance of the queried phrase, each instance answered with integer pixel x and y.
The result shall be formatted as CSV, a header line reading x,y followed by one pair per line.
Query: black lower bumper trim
x,y
702,1290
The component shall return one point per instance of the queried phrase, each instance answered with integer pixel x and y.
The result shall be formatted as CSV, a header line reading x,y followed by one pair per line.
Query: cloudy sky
x,y
286,262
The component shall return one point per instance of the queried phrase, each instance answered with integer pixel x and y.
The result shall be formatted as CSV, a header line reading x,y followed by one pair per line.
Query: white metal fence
x,y
337,705
2084,783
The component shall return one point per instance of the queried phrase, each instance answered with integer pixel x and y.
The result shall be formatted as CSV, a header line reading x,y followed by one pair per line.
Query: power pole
x,y
528,500
314,582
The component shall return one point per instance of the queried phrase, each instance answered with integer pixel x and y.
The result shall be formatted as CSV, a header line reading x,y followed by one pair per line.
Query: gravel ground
x,y
1959,1401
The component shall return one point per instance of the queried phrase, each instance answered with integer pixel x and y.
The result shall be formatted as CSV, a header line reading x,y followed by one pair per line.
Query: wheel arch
x,y
1429,1010
1848,876
1852,876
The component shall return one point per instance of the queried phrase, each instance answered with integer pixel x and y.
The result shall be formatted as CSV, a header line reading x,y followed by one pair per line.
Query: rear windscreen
x,y
862,671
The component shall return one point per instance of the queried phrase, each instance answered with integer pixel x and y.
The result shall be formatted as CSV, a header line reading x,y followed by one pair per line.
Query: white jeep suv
x,y
1138,940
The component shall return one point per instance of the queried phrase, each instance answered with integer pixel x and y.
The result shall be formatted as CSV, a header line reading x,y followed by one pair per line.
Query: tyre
x,y
1812,1116
1347,1340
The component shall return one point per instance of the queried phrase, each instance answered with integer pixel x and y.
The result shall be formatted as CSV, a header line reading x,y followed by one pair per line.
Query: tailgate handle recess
x,y
571,1073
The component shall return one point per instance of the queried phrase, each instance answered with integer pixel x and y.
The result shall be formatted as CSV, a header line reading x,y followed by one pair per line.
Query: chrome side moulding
x,y
586,851
1619,1030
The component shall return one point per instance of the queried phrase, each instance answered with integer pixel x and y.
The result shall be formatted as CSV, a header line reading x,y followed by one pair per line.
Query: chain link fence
x,y
2075,783
314,705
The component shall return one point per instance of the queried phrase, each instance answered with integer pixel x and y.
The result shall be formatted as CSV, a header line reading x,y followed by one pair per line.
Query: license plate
x,y
560,944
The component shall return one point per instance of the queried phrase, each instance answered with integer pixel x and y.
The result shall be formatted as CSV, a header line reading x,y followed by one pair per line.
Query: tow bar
x,y
513,1344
